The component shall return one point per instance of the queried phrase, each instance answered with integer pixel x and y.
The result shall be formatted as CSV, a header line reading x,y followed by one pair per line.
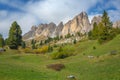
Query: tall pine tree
x,y
2,43
105,34
15,37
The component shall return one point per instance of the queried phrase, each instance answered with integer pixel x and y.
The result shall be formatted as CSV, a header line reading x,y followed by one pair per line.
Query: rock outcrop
x,y
96,19
116,24
58,29
80,23
30,34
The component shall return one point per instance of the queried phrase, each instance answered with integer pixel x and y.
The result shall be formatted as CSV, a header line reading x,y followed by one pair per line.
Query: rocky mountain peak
x,y
33,28
58,29
96,19
83,14
79,23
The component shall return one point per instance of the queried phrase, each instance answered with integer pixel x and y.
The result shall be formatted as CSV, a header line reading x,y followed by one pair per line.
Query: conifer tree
x,y
15,38
1,41
106,29
23,44
33,42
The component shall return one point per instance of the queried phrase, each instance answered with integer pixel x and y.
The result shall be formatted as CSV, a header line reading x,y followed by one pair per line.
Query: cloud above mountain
x,y
34,12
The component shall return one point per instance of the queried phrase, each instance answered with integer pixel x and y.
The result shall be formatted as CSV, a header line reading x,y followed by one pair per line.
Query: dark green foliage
x,y
60,49
50,48
2,43
23,44
63,52
61,37
94,47
68,35
56,38
104,30
74,41
33,42
41,43
106,21
6,41
79,34
108,32
90,35
15,38
48,40
95,31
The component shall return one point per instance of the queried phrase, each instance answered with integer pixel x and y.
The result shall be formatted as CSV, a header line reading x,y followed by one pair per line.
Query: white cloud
x,y
114,15
57,10
46,11
42,11
24,20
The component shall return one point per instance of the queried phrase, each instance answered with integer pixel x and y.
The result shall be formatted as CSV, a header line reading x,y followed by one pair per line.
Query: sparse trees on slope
x,y
103,31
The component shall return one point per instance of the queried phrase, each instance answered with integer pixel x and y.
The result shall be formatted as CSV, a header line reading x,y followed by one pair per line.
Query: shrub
x,y
23,44
94,47
57,67
63,53
42,50
28,50
74,41
60,49
50,48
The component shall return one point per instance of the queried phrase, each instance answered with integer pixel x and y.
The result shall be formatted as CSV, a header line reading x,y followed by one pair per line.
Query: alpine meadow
x,y
59,40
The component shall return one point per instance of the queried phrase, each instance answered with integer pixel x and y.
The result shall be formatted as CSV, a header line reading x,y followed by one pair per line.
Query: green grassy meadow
x,y
20,66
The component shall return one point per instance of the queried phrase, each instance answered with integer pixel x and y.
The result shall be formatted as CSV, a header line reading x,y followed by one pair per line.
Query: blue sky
x,y
33,12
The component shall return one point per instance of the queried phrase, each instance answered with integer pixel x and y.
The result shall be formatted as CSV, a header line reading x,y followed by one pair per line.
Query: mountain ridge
x,y
79,24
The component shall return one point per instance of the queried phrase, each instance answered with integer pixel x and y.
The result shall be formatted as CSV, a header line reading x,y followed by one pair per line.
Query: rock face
x,y
30,34
96,19
45,30
80,23
58,29
116,24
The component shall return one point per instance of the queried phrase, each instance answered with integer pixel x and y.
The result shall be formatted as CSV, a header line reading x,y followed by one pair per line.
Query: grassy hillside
x,y
19,66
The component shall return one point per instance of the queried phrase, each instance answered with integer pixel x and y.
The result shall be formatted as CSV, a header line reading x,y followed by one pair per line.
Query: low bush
x,y
94,47
63,53
41,50
27,50
56,67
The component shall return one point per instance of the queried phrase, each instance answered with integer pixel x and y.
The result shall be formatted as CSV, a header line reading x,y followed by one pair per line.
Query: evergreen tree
x,y
33,42
41,43
23,44
74,41
106,30
1,41
105,20
50,49
103,31
15,38
95,31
